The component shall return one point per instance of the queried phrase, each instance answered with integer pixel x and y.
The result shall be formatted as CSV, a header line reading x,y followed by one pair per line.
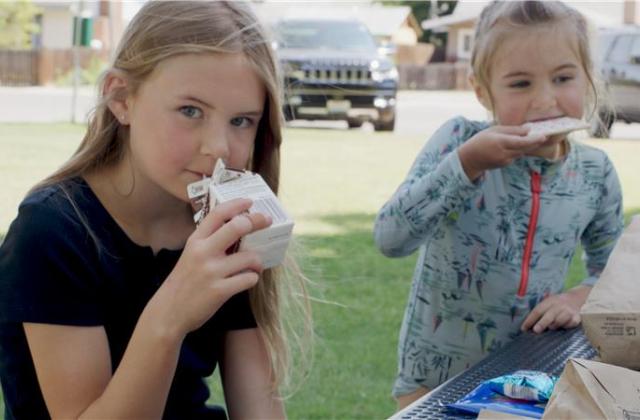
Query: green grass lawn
x,y
333,183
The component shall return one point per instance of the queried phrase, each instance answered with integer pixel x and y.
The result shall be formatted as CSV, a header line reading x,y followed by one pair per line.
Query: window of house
x,y
36,39
465,43
620,51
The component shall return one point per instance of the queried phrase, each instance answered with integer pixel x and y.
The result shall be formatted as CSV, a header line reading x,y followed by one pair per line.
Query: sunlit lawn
x,y
333,183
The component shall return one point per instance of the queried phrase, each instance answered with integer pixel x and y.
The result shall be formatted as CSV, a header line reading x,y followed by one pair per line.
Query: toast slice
x,y
556,126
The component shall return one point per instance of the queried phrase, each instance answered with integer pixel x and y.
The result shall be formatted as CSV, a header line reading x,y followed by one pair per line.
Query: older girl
x,y
113,303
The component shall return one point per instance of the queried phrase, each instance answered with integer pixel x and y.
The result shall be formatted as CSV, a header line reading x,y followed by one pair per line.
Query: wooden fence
x,y
18,67
41,67
434,76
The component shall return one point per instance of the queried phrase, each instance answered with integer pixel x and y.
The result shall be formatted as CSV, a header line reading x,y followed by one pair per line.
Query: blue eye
x,y
520,84
190,111
562,79
242,122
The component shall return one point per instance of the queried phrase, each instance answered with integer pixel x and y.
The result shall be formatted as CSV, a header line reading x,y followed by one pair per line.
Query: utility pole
x,y
77,36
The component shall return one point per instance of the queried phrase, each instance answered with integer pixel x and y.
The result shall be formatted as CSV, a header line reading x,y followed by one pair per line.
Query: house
x,y
460,24
391,24
394,27
386,23
101,26
103,20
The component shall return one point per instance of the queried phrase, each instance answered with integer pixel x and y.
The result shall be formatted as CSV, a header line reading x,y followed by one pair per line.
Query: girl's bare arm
x,y
246,377
73,365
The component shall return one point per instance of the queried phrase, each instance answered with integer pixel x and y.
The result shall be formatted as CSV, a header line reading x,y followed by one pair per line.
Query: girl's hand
x,y
205,276
557,311
496,147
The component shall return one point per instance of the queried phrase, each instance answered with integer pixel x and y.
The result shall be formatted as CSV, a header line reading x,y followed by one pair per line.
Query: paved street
x,y
419,112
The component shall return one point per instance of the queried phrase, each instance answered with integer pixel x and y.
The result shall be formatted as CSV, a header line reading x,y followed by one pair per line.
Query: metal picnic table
x,y
547,352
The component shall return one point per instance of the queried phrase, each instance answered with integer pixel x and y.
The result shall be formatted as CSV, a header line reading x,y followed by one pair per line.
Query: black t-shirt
x,y
54,271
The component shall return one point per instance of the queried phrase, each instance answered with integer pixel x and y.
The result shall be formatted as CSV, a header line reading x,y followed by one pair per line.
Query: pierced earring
x,y
122,118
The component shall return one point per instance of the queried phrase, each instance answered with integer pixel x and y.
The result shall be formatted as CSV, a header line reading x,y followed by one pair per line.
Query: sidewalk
x,y
44,104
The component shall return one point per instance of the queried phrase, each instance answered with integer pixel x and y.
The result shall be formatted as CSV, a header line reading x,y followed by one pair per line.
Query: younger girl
x,y
113,304
498,213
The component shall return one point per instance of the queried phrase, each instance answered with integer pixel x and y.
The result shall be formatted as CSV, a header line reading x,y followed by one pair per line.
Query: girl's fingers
x,y
545,321
575,321
236,228
536,314
530,320
219,215
240,262
523,144
237,283
562,320
516,130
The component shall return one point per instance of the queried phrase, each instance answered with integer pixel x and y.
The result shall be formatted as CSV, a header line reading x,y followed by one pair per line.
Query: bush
x,y
88,75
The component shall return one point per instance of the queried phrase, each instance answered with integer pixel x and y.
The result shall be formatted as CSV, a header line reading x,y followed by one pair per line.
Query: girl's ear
x,y
116,89
481,93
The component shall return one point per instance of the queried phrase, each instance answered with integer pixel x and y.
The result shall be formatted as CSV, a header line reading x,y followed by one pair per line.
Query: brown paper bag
x,y
611,314
496,415
593,390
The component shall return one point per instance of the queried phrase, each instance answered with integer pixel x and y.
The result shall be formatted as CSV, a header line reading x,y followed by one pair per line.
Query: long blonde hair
x,y
164,29
499,19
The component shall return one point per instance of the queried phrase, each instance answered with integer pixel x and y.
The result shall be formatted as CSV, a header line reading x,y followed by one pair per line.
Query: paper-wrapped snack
x,y
227,184
556,126
611,314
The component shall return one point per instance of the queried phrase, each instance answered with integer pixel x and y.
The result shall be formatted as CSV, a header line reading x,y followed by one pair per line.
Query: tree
x,y
17,23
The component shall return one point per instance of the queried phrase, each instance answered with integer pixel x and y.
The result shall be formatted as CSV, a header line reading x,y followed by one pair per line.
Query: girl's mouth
x,y
200,175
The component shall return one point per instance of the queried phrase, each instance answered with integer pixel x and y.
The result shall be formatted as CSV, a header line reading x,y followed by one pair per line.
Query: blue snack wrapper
x,y
522,393
527,385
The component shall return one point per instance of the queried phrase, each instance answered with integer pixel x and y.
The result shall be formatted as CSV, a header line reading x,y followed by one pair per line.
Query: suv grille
x,y
330,71
345,75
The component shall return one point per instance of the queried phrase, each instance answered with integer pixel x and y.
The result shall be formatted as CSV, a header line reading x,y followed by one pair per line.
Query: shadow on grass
x,y
357,330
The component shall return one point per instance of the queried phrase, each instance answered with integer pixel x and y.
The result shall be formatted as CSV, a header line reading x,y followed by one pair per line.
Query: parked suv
x,y
618,60
333,71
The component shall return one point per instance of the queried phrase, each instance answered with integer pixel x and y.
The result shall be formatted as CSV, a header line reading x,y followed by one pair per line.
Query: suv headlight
x,y
380,75
381,71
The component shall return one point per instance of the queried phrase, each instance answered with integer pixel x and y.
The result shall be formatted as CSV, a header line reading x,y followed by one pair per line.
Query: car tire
x,y
601,127
288,112
385,125
354,123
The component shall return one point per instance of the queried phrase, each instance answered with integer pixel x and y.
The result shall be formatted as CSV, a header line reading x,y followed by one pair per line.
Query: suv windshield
x,y
345,36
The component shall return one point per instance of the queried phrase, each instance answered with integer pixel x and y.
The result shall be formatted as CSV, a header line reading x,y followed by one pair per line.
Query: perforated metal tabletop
x,y
546,352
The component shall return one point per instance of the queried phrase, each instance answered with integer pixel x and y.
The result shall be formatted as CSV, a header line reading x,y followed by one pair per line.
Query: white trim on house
x,y
465,43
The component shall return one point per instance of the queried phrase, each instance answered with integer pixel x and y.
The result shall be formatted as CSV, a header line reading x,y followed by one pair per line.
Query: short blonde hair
x,y
500,18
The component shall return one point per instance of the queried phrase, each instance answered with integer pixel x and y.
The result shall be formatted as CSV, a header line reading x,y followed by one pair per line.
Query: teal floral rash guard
x,y
492,249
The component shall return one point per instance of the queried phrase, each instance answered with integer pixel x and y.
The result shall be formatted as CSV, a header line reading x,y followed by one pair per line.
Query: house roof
x,y
465,11
385,20
469,11
381,20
